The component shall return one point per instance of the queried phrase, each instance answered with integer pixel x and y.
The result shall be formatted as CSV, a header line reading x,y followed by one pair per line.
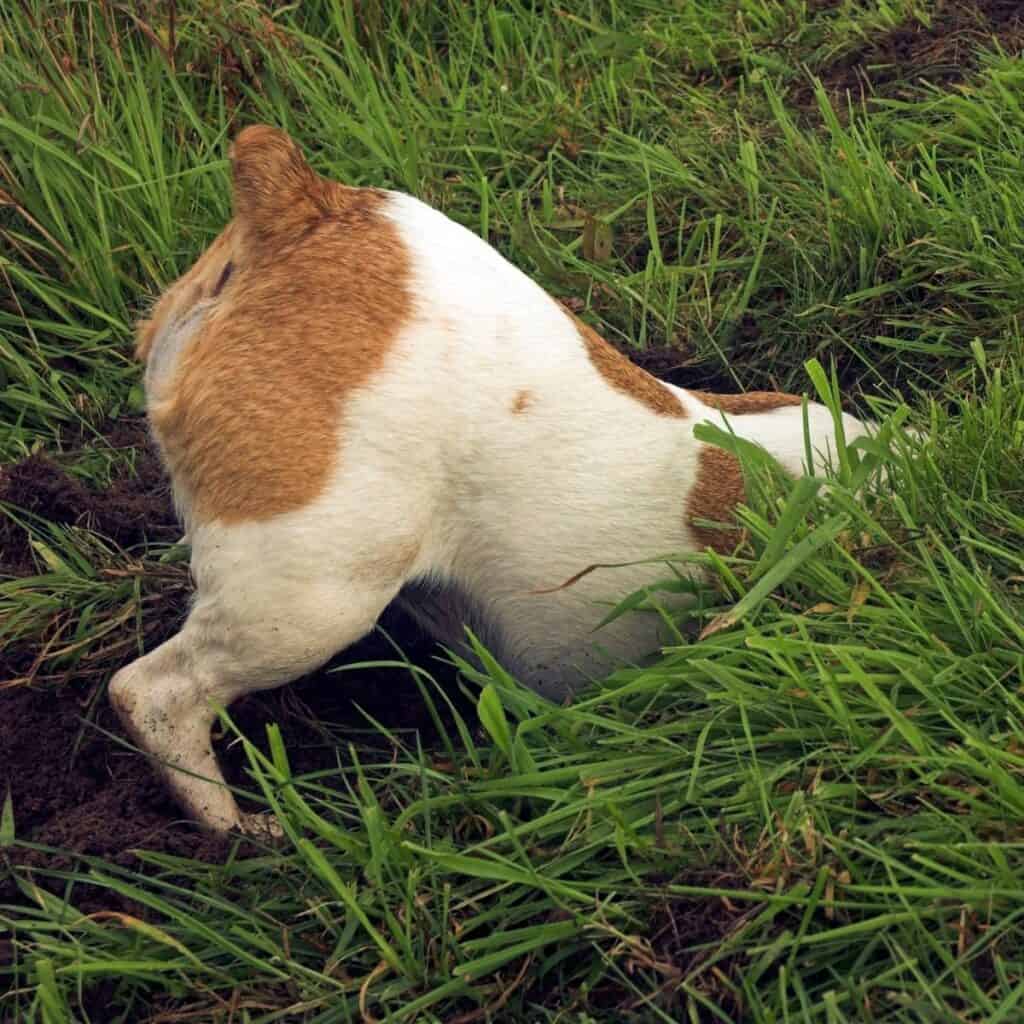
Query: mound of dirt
x,y
136,506
76,785
74,782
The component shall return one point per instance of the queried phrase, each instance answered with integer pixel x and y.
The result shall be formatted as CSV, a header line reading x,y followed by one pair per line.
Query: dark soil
x,y
134,509
894,62
74,783
679,940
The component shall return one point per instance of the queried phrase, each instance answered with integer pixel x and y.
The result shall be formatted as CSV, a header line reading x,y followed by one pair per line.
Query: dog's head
x,y
253,353
277,197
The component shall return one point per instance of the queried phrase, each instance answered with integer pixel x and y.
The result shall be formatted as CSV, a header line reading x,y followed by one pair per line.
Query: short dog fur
x,y
357,399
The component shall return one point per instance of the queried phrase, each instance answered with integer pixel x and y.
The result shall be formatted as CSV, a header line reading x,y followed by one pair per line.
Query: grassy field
x,y
815,811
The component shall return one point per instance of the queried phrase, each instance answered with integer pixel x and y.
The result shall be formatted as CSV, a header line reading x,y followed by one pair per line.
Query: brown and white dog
x,y
357,398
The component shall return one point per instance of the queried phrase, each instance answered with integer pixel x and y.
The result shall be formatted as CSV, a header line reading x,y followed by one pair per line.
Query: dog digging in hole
x,y
358,400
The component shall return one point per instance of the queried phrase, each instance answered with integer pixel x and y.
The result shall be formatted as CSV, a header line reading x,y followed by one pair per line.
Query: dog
x,y
357,399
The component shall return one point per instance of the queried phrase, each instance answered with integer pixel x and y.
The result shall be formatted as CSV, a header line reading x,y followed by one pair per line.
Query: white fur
x,y
492,507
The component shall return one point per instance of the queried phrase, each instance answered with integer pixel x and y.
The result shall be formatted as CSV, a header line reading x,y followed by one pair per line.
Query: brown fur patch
x,y
318,292
278,197
716,492
752,401
197,283
523,401
627,377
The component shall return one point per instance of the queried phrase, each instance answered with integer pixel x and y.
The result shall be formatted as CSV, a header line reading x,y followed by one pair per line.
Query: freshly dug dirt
x,y
943,52
76,786
136,507
74,783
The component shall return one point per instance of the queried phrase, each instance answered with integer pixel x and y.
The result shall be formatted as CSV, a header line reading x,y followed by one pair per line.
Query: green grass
x,y
814,813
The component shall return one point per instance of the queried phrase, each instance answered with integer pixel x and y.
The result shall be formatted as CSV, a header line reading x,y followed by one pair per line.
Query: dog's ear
x,y
276,193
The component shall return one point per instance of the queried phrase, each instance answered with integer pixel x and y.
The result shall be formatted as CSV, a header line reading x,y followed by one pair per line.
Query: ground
x,y
815,811
73,787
